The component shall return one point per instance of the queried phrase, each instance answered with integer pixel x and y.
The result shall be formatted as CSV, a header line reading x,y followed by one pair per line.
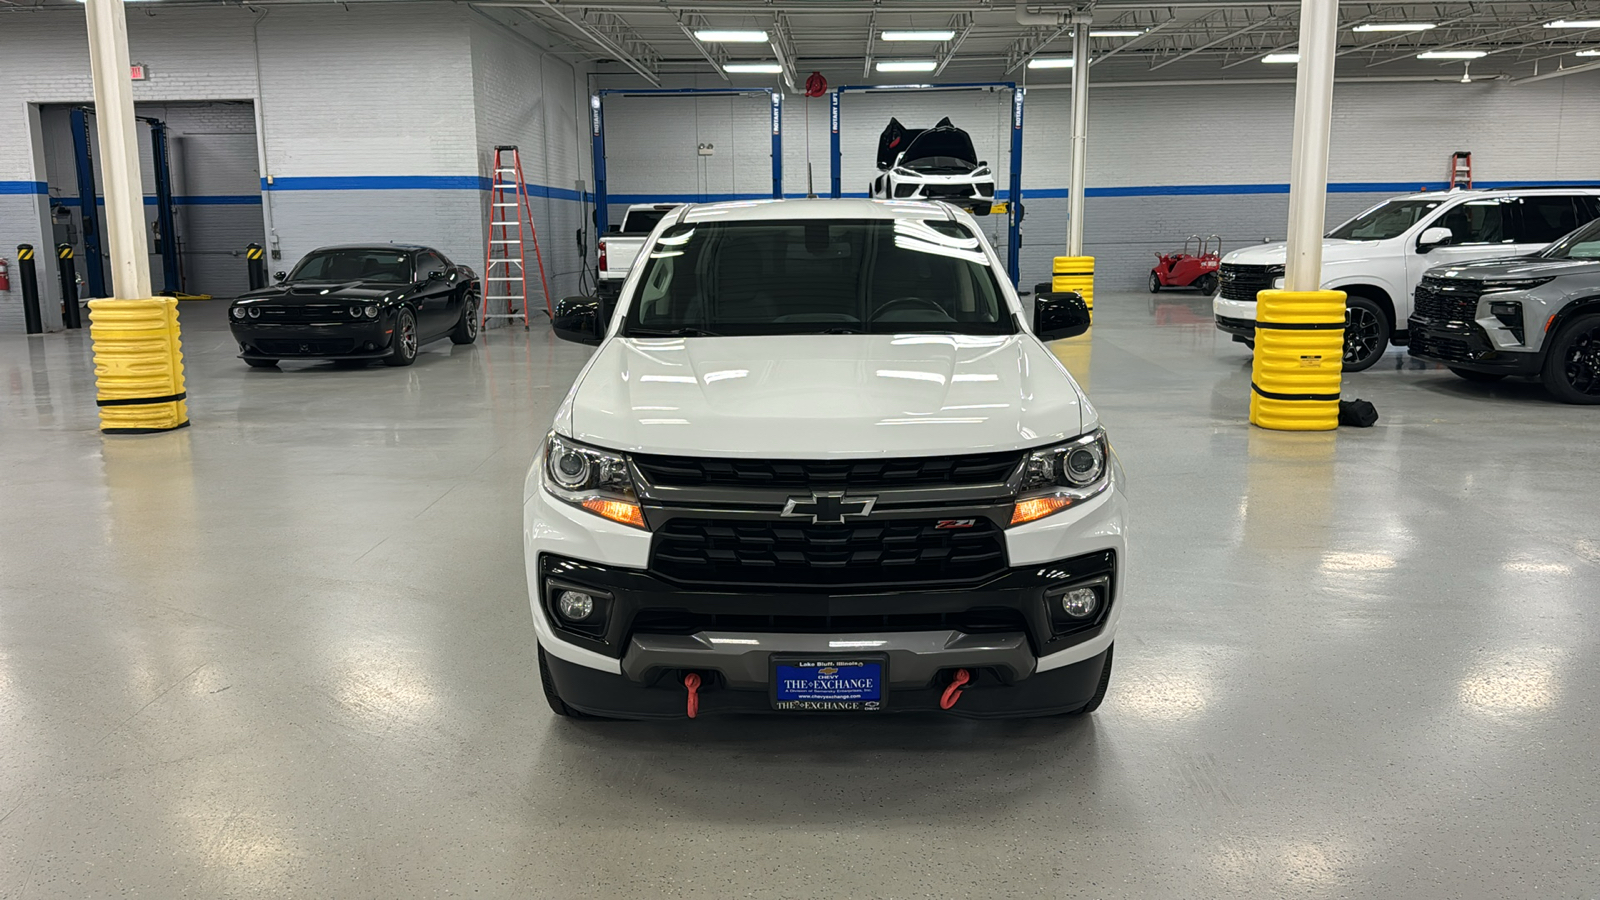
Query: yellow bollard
x,y
1294,379
138,365
1074,273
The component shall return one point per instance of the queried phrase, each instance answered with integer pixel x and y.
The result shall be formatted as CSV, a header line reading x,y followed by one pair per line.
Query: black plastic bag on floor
x,y
1357,413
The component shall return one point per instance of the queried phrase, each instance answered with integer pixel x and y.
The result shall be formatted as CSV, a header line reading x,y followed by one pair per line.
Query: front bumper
x,y
1466,346
368,339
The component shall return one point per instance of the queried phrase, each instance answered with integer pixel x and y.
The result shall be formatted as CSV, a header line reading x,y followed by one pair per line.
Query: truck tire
x,y
1366,334
1572,366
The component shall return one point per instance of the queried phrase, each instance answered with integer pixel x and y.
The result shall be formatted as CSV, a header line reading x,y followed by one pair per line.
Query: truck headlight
x,y
1054,478
593,479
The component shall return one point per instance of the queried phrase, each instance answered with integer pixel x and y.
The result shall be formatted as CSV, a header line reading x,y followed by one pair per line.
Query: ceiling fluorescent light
x,y
1588,53
1396,26
906,65
1453,54
1575,23
732,37
1050,62
917,35
1281,58
753,68
1114,33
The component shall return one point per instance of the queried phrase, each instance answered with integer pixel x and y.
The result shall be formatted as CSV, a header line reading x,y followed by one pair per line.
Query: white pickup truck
x,y
821,460
620,246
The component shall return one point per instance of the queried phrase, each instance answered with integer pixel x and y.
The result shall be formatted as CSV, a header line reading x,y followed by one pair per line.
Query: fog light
x,y
574,606
1080,603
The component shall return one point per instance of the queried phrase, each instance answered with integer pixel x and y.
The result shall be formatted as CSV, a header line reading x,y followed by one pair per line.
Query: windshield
x,y
1581,244
816,276
1387,220
336,266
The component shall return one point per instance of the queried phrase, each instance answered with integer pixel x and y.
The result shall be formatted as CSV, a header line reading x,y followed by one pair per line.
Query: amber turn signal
x,y
1037,508
616,510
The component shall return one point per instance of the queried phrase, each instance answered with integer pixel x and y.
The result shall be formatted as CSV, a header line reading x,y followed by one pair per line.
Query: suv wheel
x,y
1366,334
1572,367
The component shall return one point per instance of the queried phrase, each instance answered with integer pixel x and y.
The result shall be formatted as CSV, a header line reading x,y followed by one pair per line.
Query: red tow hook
x,y
692,682
953,692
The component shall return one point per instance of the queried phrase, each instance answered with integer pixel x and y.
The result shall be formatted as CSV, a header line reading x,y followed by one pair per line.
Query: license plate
x,y
854,684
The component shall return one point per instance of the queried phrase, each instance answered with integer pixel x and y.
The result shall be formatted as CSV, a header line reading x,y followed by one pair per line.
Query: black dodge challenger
x,y
358,302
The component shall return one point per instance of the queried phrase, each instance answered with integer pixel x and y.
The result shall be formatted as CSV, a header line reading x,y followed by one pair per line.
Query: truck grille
x,y
1241,282
781,554
690,471
1447,300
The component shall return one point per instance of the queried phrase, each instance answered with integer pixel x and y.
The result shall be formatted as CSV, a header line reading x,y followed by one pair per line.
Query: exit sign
x,y
139,72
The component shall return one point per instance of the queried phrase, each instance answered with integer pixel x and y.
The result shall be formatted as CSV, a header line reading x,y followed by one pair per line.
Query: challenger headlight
x,y
255,312
238,312
1054,478
371,311
596,480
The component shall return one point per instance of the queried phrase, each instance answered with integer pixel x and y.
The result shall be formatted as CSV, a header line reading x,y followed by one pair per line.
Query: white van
x,y
1379,256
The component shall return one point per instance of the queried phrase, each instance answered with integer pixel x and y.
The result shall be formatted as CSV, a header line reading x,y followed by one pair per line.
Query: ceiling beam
x,y
872,37
1221,40
607,45
1130,42
1559,73
688,24
962,30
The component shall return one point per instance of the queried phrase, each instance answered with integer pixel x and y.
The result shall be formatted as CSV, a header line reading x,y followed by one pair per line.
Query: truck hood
x,y
1515,267
824,396
1276,253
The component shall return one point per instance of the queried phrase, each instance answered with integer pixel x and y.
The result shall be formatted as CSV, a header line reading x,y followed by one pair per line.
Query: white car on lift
x,y
823,461
937,163
1378,257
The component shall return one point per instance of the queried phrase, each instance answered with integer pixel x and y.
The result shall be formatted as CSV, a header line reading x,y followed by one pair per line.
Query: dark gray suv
x,y
1527,315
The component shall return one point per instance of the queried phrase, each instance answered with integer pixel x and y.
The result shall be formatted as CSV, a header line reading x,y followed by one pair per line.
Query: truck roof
x,y
1501,192
821,208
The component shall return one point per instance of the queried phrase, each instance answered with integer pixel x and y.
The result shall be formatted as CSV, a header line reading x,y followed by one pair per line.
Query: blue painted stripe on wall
x,y
200,200
376,183
24,187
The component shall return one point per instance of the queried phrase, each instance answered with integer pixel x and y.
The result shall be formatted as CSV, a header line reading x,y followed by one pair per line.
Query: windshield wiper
x,y
671,332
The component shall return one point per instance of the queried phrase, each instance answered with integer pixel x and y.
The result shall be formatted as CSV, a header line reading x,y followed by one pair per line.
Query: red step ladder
x,y
505,270
1461,170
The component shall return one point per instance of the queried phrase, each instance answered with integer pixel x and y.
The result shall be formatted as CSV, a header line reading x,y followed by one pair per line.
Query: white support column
x,y
1313,123
119,149
1080,136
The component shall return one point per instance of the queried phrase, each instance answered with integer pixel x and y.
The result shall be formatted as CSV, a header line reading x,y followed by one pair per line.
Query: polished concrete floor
x,y
287,652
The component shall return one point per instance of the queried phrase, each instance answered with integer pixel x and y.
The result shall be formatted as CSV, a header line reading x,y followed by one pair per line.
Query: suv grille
x,y
981,620
690,471
782,554
1432,346
1240,282
1447,300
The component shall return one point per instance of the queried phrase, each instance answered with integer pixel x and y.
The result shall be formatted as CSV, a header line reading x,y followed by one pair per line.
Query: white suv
x,y
821,462
1379,256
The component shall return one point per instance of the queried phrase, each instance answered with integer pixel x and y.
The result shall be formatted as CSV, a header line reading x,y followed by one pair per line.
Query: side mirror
x,y
436,274
1437,236
614,228
280,276
1059,315
577,319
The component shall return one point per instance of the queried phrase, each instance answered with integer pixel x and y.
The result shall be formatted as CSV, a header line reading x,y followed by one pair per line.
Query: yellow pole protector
x,y
138,365
1074,273
1294,378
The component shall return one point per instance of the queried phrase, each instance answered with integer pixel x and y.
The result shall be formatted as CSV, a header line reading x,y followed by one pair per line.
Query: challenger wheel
x,y
1572,367
1366,334
466,330
403,348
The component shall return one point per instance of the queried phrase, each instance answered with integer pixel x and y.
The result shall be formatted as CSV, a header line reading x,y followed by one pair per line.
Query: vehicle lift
x,y
1014,194
597,128
166,233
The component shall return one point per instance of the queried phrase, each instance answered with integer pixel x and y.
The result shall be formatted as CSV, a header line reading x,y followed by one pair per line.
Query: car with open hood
x,y
938,163
357,302
822,460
